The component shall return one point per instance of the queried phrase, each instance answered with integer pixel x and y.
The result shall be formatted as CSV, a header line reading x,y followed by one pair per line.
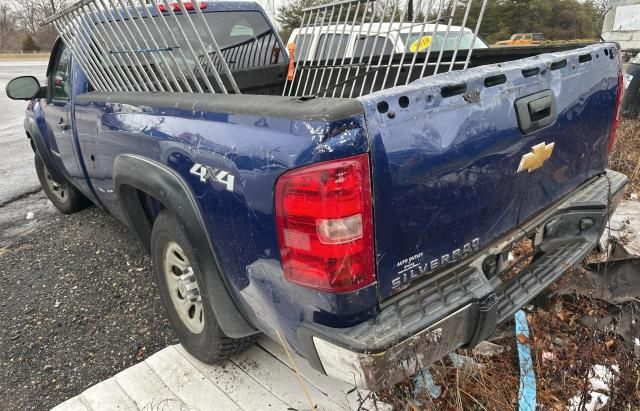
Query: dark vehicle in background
x,y
630,106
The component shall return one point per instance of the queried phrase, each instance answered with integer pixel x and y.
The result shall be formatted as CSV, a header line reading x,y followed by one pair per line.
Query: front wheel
x,y
64,196
180,282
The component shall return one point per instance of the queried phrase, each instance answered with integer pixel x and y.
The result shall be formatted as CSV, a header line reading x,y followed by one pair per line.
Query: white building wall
x,y
622,24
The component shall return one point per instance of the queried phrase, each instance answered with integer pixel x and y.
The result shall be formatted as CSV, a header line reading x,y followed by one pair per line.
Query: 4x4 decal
x,y
215,175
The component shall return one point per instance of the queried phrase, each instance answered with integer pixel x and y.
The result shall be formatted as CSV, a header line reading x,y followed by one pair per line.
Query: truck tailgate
x,y
459,158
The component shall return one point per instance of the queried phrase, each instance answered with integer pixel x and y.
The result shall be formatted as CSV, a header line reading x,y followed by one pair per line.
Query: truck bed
x,y
270,80
339,80
444,167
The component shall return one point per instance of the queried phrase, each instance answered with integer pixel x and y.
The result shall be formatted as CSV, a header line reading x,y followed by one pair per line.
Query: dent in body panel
x,y
445,169
241,223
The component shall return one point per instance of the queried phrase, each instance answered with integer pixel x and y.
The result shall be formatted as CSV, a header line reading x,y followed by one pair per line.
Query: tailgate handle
x,y
536,111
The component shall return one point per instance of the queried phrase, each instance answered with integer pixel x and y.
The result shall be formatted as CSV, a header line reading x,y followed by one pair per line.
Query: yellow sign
x,y
536,158
421,44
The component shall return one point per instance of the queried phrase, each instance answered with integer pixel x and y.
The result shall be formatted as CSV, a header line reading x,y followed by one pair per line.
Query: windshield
x,y
414,42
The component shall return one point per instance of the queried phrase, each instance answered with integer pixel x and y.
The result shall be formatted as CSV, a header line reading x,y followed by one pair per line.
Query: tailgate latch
x,y
536,111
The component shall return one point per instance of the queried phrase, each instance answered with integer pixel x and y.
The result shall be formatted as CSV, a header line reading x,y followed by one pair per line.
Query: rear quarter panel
x,y
255,149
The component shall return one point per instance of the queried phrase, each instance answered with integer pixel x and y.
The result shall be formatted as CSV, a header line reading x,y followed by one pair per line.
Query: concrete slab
x,y
261,378
187,383
238,385
145,388
107,395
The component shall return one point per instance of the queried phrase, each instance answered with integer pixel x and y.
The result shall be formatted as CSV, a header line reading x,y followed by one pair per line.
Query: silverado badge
x,y
536,158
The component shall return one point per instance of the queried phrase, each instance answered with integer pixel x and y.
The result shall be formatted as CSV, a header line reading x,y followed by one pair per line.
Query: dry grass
x,y
563,350
625,156
24,57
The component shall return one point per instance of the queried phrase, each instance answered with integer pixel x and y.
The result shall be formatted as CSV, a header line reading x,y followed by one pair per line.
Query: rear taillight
x,y
325,225
189,6
616,113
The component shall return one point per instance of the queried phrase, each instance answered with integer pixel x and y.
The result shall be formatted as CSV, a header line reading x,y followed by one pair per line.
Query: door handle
x,y
536,111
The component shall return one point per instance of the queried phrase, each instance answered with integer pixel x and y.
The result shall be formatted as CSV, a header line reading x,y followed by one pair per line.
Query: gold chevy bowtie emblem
x,y
536,158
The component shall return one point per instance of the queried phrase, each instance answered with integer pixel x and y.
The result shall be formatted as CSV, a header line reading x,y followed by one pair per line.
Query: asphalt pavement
x,y
17,174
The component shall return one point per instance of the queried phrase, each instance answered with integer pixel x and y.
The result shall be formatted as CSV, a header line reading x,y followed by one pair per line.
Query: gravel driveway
x,y
77,303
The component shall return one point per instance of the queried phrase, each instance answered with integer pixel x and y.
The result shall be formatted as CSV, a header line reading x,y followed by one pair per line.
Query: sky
x,y
271,6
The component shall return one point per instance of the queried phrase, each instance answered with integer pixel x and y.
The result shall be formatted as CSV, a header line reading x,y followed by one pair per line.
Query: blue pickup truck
x,y
373,234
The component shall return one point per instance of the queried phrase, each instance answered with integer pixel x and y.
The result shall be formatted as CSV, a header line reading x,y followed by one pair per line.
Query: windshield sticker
x,y
421,44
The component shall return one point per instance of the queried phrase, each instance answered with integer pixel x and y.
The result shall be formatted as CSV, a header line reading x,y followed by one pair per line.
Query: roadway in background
x,y
17,174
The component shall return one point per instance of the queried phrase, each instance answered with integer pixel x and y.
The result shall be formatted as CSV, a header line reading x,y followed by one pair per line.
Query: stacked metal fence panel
x,y
356,47
145,45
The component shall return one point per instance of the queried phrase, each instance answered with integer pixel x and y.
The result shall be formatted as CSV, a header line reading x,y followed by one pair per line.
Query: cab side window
x,y
61,76
369,46
303,44
331,46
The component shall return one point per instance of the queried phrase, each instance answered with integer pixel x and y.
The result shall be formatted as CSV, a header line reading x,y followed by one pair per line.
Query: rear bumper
x,y
462,306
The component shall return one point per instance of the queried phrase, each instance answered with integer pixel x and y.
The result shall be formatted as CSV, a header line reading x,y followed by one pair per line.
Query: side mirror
x,y
23,88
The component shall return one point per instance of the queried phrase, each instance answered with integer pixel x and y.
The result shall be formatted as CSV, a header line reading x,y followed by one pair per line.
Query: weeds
x,y
625,156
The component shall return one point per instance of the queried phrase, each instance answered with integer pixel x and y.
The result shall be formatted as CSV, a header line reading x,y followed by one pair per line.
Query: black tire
x,y
62,194
210,345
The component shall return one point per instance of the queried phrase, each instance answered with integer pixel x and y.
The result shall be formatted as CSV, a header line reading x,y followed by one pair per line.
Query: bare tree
x,y
7,25
25,19
7,19
31,13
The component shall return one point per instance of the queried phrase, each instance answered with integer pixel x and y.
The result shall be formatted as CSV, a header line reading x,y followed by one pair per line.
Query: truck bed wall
x,y
270,80
344,82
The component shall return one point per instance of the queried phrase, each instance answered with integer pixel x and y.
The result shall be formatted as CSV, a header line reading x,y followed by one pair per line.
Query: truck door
x,y
57,111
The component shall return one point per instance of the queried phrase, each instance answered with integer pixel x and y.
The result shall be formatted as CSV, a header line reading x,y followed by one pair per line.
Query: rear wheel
x,y
63,195
180,282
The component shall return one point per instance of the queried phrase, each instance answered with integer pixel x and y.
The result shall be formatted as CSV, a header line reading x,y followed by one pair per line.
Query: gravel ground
x,y
77,304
